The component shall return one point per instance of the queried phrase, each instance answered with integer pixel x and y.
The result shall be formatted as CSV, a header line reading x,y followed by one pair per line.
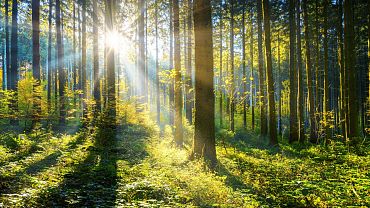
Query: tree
x,y
178,94
221,67
309,75
232,90
349,63
293,75
269,75
110,64
84,59
244,70
60,55
157,66
7,45
261,74
326,68
141,55
189,83
251,66
49,53
36,58
96,56
172,84
14,58
300,75
204,137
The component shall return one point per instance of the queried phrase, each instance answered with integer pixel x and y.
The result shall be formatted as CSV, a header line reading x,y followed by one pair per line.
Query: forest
x,y
184,103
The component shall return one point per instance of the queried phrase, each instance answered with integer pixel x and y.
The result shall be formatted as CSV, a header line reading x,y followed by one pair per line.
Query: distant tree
x,y
60,55
189,75
251,66
326,70
244,69
96,56
204,137
7,45
49,54
172,84
232,73
300,75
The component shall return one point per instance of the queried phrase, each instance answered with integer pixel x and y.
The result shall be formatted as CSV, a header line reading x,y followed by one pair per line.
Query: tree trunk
x,y
189,84
221,68
300,76
157,66
252,68
269,75
7,45
110,64
244,81
84,59
293,75
349,62
204,137
326,68
178,93
313,136
36,60
96,57
49,54
232,90
171,90
141,55
261,72
14,60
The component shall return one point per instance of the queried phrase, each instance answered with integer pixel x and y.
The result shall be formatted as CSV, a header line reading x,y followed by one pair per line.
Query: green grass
x,y
143,169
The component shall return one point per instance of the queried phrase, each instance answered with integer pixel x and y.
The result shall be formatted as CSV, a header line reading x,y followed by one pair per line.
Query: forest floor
x,y
143,169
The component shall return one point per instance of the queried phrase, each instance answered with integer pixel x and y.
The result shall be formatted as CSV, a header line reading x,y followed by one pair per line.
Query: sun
x,y
113,39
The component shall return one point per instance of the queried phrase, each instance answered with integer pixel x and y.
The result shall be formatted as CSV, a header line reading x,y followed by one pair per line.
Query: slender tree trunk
x,y
157,66
252,68
36,60
221,68
261,72
244,82
189,84
96,56
14,60
349,62
110,64
141,57
313,136
326,68
232,91
204,137
317,66
293,75
280,128
178,93
172,84
269,75
84,59
74,73
61,71
49,55
300,76
7,46
342,110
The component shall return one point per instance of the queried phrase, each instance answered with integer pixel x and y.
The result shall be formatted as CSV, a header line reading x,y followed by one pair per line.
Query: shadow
x,y
93,182
14,182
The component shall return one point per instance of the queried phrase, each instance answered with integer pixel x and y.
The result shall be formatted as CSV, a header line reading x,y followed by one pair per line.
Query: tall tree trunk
x,y
7,46
96,56
157,66
232,89
14,60
84,59
110,64
280,128
172,84
252,67
317,65
221,68
310,86
349,62
189,84
293,75
74,73
326,68
261,72
178,93
141,55
204,137
49,54
36,60
300,76
269,75
244,82
61,71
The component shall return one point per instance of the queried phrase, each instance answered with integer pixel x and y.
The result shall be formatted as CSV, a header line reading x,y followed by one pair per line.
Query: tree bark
x,y
232,89
189,84
204,137
96,57
14,60
326,68
36,60
300,76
